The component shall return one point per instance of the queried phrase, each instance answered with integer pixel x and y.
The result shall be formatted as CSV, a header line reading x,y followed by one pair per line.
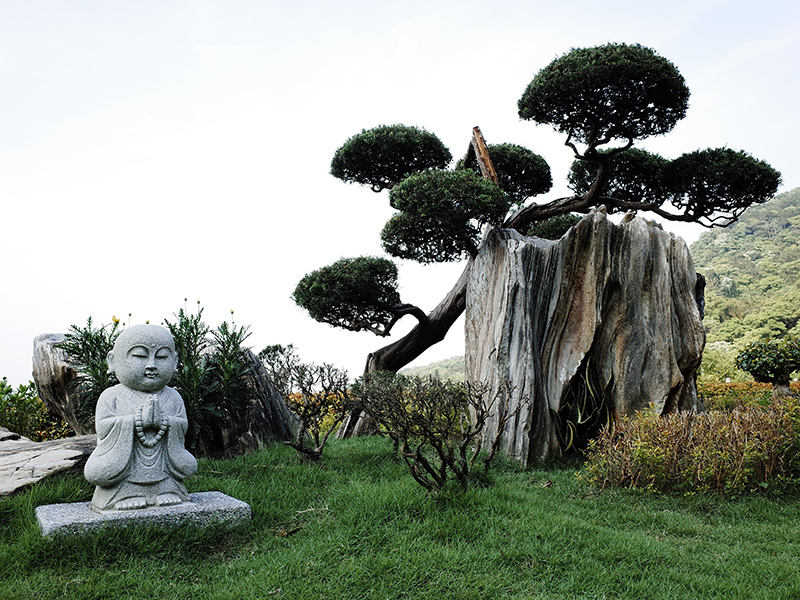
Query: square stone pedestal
x,y
205,508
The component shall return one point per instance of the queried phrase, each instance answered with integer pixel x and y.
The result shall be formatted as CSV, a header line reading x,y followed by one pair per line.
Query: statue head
x,y
144,357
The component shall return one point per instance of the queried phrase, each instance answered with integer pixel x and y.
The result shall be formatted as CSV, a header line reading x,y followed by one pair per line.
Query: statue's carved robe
x,y
122,466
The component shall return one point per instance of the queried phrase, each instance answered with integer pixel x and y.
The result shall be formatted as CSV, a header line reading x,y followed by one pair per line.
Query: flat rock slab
x,y
23,462
205,508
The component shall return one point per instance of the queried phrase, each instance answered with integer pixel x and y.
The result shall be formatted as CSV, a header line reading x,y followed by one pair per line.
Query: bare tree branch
x,y
478,146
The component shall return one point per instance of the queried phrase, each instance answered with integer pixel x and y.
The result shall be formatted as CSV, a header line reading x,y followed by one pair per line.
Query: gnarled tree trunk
x,y
617,306
52,375
397,355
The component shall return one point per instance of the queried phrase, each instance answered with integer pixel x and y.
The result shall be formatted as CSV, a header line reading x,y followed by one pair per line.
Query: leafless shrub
x,y
436,425
317,394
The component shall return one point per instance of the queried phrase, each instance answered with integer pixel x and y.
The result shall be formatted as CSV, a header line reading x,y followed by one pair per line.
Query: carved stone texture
x,y
623,299
52,375
141,423
204,508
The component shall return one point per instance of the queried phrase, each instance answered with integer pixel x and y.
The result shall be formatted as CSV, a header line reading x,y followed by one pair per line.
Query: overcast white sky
x,y
152,151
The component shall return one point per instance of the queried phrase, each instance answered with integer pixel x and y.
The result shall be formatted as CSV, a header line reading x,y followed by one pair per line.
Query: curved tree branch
x,y
707,221
426,333
574,148
627,145
600,180
399,311
521,219
524,217
471,248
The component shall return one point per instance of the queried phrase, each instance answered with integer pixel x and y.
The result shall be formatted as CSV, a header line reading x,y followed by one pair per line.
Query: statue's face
x,y
144,359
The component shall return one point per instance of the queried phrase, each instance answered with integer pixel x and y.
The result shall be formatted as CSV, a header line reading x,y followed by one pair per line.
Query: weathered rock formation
x,y
266,415
606,320
23,462
52,375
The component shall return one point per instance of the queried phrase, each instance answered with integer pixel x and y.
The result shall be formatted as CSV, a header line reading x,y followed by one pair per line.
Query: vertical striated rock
x,y
266,414
617,306
52,375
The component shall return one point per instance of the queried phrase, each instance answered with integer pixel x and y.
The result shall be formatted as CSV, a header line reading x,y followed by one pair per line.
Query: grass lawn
x,y
356,525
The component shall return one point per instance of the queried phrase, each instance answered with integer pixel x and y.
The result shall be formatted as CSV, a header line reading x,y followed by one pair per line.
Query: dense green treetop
x,y
634,176
709,187
443,206
383,156
771,361
615,91
717,184
520,173
352,293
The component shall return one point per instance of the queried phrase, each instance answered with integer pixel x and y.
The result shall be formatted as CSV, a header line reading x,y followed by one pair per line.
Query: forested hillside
x,y
451,369
752,270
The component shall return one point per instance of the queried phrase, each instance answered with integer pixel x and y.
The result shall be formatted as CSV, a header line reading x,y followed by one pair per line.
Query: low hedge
x,y
750,446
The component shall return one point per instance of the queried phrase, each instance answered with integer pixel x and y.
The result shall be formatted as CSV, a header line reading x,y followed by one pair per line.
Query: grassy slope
x,y
357,526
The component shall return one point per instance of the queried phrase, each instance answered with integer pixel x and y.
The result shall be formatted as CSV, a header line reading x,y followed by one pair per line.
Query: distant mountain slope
x,y
752,270
451,369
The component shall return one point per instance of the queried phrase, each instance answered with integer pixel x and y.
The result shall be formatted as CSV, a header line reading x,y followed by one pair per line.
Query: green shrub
x,y
86,349
23,412
738,394
212,375
746,449
771,361
212,378
733,395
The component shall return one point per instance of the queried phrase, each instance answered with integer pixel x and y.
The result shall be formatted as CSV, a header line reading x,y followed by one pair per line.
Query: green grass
x,y
355,525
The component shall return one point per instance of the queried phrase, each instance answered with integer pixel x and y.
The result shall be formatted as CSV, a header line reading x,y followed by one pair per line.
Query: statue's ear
x,y
110,361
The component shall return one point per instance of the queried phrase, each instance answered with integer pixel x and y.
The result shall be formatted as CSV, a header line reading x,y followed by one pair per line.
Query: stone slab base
x,y
205,508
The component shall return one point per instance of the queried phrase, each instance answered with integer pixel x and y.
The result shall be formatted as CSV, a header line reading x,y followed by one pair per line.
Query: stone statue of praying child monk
x,y
140,459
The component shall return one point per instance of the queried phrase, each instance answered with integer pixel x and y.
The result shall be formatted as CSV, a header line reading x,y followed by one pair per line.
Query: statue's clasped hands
x,y
149,417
